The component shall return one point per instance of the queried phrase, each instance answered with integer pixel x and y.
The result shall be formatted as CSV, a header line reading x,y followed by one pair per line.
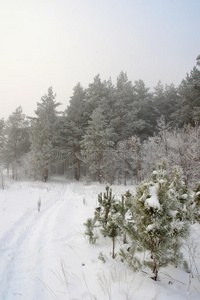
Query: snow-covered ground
x,y
45,255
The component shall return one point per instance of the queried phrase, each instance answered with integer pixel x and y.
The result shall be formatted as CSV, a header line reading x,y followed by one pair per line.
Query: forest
x,y
110,133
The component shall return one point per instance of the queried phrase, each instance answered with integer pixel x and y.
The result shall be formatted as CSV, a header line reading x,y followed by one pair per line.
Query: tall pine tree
x,y
125,110
146,111
96,143
44,136
188,107
75,125
17,140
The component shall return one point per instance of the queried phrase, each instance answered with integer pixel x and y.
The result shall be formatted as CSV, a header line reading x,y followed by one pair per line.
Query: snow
x,y
45,255
153,201
177,225
150,227
162,181
173,213
184,196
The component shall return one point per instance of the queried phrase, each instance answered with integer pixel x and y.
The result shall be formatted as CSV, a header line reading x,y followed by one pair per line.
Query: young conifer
x,y
105,215
122,209
106,204
159,218
111,230
90,226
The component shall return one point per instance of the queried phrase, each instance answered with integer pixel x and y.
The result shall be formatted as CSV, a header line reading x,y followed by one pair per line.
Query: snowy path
x,y
26,247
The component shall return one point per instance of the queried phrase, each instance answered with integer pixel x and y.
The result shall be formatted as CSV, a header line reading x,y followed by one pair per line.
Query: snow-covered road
x,y
25,248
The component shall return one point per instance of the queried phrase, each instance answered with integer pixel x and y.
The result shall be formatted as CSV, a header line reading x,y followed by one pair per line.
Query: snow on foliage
x,y
150,227
160,222
153,201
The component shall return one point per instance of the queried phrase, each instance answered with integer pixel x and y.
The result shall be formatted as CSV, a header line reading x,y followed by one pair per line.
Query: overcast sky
x,y
59,43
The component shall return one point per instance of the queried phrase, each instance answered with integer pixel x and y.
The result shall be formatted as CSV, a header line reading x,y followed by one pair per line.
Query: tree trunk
x,y
13,172
77,169
138,164
125,169
2,180
124,238
45,175
113,253
99,170
155,271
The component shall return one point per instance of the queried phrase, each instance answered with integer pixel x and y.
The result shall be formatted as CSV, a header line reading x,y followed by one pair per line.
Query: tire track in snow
x,y
22,248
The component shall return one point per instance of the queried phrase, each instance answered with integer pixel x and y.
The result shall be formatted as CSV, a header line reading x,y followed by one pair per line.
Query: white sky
x,y
59,43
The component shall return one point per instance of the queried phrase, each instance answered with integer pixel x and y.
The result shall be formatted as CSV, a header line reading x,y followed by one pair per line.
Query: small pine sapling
x,y
122,209
106,204
90,226
105,215
111,230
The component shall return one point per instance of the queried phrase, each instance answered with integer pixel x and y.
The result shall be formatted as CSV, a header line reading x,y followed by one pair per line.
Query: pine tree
x,y
44,136
2,140
170,104
90,226
188,106
106,203
125,109
122,209
159,98
159,218
166,99
127,159
95,94
75,125
16,143
146,111
96,142
112,230
105,215
104,218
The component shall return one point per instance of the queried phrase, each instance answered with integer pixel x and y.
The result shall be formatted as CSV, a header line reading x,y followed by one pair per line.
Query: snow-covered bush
x,y
161,212
152,224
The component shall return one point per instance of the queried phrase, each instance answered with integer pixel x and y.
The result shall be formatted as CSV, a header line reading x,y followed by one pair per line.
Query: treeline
x,y
108,132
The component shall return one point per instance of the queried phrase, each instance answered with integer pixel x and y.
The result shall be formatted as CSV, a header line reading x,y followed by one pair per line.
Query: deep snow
x,y
45,255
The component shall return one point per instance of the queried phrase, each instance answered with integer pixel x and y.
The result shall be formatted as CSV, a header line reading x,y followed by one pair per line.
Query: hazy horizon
x,y
59,43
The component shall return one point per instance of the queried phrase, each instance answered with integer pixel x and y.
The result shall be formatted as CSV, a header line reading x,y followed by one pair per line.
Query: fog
x,y
59,43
